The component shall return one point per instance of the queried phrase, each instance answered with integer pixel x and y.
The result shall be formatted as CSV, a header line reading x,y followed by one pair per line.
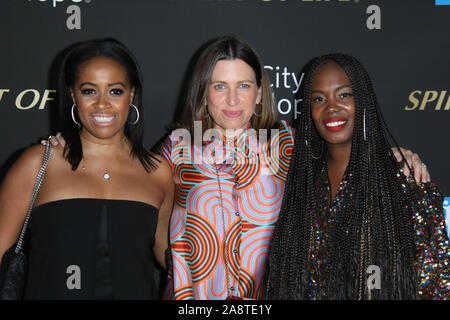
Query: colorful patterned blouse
x,y
228,196
432,263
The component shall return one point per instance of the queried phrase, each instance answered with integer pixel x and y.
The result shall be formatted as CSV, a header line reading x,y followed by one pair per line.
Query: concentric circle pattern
x,y
235,219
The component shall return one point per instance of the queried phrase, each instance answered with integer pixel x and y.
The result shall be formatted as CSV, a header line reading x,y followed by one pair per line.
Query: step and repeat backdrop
x,y
403,43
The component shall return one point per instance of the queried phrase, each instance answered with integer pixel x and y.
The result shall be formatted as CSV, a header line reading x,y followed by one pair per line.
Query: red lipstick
x,y
335,124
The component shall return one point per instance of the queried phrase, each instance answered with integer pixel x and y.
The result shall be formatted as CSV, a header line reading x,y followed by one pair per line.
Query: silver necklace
x,y
106,175
224,233
106,172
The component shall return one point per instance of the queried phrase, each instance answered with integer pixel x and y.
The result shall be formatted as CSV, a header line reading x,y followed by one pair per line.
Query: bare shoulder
x,y
163,171
21,176
16,191
29,161
163,167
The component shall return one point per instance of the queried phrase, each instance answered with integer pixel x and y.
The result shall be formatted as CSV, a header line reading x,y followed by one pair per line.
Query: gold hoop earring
x,y
254,112
311,152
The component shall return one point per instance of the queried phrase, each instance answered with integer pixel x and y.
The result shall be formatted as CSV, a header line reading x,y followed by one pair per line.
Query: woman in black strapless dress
x,y
101,216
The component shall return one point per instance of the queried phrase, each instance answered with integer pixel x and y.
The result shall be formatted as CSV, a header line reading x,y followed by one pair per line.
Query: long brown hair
x,y
226,48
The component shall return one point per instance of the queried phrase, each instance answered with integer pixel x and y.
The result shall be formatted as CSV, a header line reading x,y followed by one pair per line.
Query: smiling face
x,y
232,94
332,104
103,94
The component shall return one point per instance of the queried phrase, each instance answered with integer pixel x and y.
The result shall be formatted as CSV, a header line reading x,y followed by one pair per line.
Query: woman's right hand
x,y
55,140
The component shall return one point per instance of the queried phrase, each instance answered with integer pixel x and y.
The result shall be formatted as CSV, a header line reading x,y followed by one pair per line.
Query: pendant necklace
x,y
230,289
106,175
106,172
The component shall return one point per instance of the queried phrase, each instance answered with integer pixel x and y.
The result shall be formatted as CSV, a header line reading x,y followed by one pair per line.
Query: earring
x,y
137,117
254,112
364,125
310,151
73,116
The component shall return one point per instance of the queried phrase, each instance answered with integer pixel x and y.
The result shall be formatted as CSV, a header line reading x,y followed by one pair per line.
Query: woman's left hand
x,y
420,169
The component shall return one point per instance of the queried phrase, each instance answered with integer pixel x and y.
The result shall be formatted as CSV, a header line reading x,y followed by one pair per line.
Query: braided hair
x,y
374,226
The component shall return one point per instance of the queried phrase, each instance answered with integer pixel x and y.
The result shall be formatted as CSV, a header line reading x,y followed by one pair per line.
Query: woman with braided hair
x,y
351,225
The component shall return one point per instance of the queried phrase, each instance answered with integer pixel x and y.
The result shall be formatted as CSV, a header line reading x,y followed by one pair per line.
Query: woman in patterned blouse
x,y
352,226
230,181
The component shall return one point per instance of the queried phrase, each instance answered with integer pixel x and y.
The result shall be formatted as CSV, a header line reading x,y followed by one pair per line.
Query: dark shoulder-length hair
x,y
81,52
226,48
373,227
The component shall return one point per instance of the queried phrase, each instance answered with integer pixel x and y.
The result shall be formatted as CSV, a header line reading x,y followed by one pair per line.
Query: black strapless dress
x,y
92,249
